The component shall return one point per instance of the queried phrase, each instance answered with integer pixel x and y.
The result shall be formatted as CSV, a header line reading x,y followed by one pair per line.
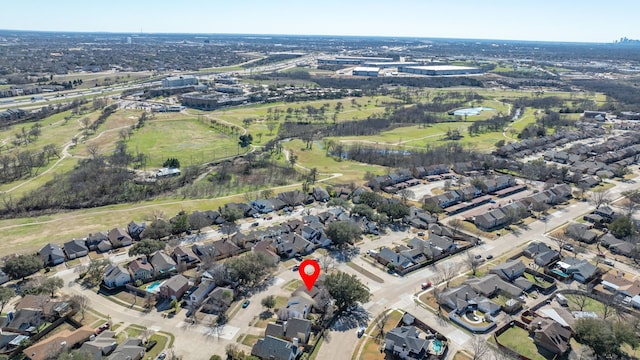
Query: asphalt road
x,y
396,292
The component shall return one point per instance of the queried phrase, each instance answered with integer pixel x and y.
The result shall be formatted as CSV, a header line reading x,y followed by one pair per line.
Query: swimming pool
x,y
561,273
471,111
436,346
154,288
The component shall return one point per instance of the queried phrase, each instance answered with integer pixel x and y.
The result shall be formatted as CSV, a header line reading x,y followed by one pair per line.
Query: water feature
x,y
154,288
436,346
471,111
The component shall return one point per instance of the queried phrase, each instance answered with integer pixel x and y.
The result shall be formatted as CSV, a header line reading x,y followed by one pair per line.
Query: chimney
x,y
539,325
296,342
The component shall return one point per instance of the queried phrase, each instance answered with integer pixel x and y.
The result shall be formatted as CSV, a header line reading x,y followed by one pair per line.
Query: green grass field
x,y
518,340
185,138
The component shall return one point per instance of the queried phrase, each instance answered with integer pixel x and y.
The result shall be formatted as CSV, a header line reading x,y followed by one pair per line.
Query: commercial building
x,y
178,81
351,60
365,71
439,70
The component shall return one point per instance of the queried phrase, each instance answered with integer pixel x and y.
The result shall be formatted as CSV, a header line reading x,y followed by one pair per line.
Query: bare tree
x,y
380,323
82,302
93,149
599,198
561,238
448,272
480,348
580,300
406,194
146,334
455,224
327,263
472,262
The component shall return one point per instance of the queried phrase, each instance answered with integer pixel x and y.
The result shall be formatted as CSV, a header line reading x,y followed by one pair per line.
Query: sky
x,y
544,20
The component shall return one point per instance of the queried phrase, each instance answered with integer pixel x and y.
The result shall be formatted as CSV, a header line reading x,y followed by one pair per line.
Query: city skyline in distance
x,y
544,20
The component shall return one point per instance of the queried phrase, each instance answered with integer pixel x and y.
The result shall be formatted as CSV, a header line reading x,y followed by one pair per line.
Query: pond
x,y
471,111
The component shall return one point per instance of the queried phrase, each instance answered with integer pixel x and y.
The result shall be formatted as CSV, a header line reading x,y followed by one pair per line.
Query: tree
x,y
381,322
406,194
171,163
269,302
81,301
21,266
394,210
231,214
346,290
605,336
472,262
622,227
51,284
480,348
95,271
180,223
146,247
599,198
343,233
363,210
455,224
249,269
198,220
371,199
245,140
229,228
6,294
156,230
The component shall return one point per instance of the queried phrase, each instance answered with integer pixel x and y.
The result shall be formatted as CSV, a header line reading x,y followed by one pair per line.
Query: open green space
x,y
518,340
157,349
185,138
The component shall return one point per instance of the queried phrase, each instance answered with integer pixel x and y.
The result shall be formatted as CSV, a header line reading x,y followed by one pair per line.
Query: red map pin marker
x,y
309,271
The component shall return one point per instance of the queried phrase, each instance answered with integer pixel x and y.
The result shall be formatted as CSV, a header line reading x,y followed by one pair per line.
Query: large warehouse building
x,y
436,70
365,71
351,60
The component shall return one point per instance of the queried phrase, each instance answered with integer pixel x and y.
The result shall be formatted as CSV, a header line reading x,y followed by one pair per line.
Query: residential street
x,y
395,293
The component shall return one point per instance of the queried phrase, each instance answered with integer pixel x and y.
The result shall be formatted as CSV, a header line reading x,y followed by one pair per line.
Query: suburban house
x,y
273,348
52,255
509,271
218,301
98,242
75,249
130,349
140,269
119,238
550,335
201,292
581,270
174,288
293,328
102,345
184,255
66,339
135,229
116,276
405,343
162,263
535,248
581,232
464,298
618,284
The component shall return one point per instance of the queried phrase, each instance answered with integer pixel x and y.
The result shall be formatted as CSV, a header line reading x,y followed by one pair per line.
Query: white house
x,y
116,276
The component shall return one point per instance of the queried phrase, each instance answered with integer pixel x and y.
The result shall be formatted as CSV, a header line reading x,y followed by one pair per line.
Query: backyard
x,y
518,340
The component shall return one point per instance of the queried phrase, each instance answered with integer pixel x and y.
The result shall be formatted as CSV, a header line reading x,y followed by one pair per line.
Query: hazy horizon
x,y
544,20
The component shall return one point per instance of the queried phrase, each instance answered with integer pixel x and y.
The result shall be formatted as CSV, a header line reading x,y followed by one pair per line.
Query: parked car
x,y
246,303
162,356
608,262
295,268
489,257
568,247
361,331
478,256
255,224
426,285
103,327
600,254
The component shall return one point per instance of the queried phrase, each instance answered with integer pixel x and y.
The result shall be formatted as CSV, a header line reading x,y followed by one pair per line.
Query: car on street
x,y
295,268
426,285
102,328
246,303
162,356
478,256
568,247
255,224
361,331
489,257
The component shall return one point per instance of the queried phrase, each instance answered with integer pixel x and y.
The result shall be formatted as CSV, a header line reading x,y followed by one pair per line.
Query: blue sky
x,y
557,20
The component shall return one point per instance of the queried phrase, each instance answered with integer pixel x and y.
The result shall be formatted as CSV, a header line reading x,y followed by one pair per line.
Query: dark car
x,y
245,304
489,257
295,268
255,224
